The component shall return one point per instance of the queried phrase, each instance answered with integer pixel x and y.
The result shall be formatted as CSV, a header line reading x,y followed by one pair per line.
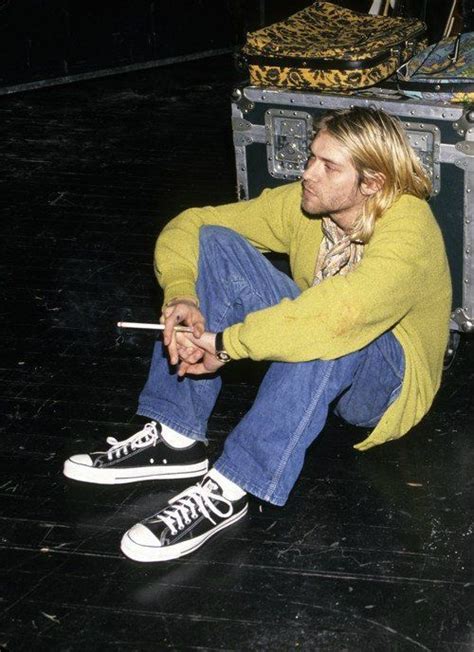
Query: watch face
x,y
223,356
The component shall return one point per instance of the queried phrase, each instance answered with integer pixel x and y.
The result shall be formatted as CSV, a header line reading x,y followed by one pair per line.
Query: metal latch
x,y
426,140
289,135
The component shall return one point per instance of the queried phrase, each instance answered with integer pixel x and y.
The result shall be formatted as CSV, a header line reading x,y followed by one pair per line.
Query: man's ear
x,y
372,183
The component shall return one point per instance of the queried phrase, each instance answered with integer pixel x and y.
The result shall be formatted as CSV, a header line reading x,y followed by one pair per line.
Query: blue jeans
x,y
264,454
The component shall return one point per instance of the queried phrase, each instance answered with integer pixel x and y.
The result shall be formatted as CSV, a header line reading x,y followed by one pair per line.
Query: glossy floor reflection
x,y
372,552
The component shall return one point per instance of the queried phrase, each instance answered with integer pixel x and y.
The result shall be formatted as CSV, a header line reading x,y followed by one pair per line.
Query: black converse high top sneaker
x,y
184,525
143,456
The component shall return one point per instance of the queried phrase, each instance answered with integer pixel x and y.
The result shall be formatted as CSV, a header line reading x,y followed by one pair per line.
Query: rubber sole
x,y
83,473
147,554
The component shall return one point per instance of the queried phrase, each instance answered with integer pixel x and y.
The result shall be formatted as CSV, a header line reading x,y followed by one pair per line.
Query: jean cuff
x,y
223,466
181,428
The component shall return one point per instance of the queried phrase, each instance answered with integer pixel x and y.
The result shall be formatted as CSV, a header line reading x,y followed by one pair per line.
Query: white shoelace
x,y
186,506
149,435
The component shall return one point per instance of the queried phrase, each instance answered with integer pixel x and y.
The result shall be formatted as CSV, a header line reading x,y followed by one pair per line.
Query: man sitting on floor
x,y
362,323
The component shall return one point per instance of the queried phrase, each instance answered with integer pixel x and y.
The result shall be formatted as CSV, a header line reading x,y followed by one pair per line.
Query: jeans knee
x,y
211,234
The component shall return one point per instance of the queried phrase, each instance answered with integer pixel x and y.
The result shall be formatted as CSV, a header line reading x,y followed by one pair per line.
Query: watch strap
x,y
221,353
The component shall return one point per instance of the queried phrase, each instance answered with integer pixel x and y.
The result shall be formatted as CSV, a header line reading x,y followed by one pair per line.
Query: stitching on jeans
x,y
297,436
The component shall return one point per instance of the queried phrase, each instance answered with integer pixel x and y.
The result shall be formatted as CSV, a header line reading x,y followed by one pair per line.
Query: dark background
x,y
43,40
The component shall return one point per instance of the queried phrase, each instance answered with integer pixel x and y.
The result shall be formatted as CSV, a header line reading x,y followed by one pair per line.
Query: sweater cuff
x,y
181,289
232,342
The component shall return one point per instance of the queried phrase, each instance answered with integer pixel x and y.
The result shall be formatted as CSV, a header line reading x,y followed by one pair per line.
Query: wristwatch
x,y
221,353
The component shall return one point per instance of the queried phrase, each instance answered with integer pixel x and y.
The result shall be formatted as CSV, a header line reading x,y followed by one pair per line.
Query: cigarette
x,y
153,327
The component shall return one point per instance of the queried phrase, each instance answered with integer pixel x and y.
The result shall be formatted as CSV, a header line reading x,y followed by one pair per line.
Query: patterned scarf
x,y
337,253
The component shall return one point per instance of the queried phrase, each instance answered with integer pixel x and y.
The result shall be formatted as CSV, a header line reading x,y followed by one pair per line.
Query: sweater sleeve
x,y
265,221
344,313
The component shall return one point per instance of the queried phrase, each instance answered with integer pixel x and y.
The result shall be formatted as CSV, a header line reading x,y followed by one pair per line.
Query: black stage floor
x,y
372,551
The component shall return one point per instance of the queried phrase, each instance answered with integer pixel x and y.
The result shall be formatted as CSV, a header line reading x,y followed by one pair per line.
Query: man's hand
x,y
180,311
197,355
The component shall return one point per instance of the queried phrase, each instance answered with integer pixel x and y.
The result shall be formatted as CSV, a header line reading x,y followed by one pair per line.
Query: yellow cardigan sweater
x,y
402,284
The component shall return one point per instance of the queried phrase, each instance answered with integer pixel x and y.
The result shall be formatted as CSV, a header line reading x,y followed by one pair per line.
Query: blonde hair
x,y
378,146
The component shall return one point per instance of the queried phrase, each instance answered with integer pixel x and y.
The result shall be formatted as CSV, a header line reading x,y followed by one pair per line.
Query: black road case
x,y
272,131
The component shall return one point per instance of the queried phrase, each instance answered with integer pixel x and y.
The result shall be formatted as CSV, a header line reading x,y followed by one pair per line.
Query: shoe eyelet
x,y
152,461
165,462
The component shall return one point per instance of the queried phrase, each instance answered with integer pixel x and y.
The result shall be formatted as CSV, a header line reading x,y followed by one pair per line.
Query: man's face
x,y
331,183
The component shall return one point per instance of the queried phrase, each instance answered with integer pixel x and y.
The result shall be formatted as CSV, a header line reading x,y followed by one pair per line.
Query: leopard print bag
x,y
328,47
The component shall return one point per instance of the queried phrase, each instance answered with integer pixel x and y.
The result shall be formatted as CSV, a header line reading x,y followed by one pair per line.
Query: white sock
x,y
230,490
175,439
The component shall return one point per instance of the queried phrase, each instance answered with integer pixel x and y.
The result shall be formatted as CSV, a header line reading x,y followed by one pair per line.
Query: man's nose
x,y
310,171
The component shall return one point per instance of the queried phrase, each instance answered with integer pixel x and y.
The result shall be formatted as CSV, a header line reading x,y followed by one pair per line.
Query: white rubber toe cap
x,y
83,460
78,467
142,536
